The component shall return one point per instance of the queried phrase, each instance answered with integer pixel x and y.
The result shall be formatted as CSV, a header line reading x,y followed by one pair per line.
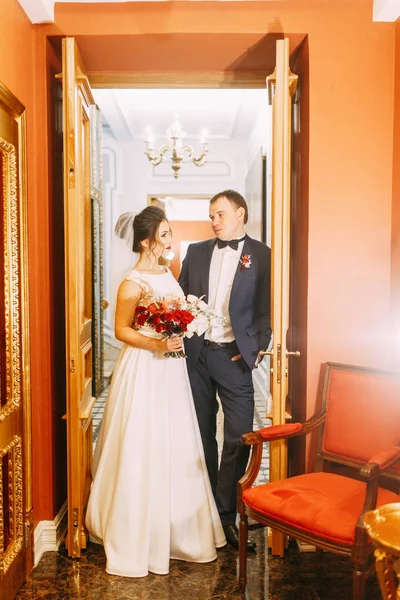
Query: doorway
x,y
235,125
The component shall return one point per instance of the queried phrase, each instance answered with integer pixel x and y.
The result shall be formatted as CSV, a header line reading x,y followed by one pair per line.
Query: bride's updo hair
x,y
145,227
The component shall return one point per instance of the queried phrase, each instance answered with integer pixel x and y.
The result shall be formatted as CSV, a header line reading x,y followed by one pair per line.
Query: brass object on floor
x,y
383,527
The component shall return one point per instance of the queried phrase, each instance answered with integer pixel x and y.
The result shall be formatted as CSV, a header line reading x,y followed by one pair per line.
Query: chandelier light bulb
x,y
149,139
176,148
204,135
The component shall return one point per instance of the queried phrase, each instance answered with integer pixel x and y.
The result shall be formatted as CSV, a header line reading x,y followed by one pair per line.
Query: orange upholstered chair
x,y
359,442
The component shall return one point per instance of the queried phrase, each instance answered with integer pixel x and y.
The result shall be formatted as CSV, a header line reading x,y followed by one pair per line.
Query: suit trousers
x,y
215,372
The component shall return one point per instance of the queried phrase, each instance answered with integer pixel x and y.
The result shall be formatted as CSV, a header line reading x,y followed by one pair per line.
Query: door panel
x,y
282,84
15,450
77,99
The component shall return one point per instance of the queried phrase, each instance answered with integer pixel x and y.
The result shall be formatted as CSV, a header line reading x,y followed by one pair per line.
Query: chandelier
x,y
175,135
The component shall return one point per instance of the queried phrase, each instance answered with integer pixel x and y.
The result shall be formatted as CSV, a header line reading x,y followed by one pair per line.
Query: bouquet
x,y
177,316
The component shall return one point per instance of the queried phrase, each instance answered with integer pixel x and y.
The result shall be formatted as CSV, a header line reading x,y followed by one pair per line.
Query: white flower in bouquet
x,y
204,317
198,326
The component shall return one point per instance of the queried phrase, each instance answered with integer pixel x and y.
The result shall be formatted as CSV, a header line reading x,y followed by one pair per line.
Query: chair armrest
x,y
386,458
276,432
256,440
370,473
379,462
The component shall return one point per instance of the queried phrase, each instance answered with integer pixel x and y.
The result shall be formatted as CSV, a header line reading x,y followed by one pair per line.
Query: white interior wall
x,y
113,195
225,169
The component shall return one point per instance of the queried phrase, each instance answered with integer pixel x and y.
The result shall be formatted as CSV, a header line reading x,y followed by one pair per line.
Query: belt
x,y
218,345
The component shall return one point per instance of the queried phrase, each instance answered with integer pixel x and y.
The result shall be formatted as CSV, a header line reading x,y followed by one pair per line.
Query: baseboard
x,y
305,546
48,535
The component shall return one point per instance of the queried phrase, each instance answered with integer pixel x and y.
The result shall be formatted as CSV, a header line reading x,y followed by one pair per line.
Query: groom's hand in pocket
x,y
236,357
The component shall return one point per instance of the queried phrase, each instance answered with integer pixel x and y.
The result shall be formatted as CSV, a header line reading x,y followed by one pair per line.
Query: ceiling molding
x,y
42,11
226,115
115,117
386,10
39,11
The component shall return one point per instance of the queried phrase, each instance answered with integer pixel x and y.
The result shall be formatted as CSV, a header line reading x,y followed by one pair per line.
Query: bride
x,y
151,498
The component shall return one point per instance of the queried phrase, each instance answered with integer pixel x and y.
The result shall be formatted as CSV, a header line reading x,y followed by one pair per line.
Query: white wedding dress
x,y
151,498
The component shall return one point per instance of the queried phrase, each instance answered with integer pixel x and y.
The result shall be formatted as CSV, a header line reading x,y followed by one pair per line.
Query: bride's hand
x,y
172,344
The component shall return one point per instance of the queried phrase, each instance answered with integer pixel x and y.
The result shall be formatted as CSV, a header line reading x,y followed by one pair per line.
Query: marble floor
x,y
305,576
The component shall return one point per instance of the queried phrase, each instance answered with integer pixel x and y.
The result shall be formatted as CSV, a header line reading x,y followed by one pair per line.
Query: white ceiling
x,y
42,11
226,114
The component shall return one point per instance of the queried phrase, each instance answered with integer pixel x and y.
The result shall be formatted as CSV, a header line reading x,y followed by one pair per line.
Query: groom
x,y
233,272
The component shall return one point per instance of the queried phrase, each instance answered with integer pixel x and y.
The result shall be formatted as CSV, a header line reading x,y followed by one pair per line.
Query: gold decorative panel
x,y
11,279
16,528
11,503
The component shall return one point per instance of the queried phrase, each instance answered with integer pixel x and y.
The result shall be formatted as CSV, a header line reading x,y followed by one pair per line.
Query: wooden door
x,y
15,426
77,99
282,85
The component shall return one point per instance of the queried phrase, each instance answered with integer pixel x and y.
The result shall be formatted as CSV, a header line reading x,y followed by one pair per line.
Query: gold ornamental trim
x,y
15,503
12,309
98,265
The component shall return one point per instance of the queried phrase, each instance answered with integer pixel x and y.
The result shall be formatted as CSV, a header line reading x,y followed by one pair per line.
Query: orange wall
x,y
395,265
189,231
351,152
17,67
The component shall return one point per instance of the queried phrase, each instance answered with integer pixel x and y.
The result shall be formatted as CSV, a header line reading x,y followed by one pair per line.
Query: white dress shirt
x,y
224,263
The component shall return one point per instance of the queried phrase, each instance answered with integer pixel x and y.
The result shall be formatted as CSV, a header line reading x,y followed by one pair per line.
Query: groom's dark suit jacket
x,y
249,306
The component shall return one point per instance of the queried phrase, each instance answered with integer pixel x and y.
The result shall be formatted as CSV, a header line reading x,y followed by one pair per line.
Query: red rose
x,y
187,317
177,315
141,320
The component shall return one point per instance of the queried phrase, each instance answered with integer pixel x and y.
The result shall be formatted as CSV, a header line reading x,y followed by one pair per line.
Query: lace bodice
x,y
155,286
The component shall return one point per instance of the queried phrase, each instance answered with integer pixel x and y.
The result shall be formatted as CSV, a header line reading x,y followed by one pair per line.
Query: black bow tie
x,y
231,243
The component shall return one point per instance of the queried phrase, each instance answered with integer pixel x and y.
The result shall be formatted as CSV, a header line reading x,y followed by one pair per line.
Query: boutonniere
x,y
245,261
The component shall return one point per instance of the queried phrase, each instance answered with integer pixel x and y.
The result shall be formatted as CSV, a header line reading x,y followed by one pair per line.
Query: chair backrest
x,y
362,414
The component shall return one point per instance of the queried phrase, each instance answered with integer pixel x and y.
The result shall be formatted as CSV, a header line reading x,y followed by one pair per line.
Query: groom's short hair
x,y
234,198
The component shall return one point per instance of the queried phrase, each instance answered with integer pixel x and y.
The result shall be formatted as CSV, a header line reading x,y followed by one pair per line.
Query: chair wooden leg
x,y
358,583
243,537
